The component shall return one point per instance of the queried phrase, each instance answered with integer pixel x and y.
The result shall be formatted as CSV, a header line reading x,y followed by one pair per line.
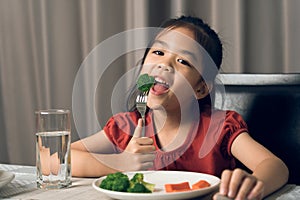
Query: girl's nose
x,y
165,67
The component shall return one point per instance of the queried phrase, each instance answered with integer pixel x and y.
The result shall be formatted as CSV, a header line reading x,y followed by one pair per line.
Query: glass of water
x,y
53,155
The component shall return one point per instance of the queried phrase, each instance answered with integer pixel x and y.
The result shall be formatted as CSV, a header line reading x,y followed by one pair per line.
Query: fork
x,y
141,105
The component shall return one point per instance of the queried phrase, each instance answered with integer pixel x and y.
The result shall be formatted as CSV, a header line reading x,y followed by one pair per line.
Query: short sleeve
x,y
233,125
119,129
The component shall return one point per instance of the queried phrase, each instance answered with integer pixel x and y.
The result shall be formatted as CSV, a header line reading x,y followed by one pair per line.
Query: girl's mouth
x,y
160,87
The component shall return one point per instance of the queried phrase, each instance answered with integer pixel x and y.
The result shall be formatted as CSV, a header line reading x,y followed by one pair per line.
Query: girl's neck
x,y
172,119
171,128
166,121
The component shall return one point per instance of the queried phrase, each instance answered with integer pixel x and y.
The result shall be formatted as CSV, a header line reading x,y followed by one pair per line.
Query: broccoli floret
x,y
145,82
138,179
120,182
138,188
106,184
116,182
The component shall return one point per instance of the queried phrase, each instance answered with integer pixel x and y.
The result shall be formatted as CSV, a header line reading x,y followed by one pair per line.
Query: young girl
x,y
183,130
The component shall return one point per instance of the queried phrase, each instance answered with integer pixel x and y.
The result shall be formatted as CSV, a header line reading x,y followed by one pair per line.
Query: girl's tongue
x,y
159,89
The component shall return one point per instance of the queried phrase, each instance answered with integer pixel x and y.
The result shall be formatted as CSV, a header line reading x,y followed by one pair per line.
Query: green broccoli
x,y
138,188
120,182
116,182
138,179
145,82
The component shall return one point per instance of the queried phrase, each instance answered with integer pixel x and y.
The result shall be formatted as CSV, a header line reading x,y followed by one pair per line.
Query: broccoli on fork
x,y
145,82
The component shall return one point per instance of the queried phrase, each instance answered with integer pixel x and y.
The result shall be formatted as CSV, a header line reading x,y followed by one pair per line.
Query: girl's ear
x,y
202,90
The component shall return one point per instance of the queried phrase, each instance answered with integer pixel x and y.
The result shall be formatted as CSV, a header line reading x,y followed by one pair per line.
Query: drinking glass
x,y
53,155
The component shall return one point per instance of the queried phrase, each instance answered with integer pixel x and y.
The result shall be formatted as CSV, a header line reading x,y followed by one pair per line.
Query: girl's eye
x,y
157,52
184,62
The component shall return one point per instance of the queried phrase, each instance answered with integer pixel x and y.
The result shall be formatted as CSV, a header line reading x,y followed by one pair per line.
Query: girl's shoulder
x,y
233,120
233,115
225,117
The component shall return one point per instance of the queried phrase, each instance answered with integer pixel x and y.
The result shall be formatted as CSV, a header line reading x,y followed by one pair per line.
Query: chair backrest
x,y
270,104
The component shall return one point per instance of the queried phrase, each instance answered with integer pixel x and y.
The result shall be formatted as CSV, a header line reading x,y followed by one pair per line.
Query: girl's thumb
x,y
138,129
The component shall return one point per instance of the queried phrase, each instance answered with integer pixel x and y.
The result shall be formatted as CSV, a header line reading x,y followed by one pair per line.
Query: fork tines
x,y
142,98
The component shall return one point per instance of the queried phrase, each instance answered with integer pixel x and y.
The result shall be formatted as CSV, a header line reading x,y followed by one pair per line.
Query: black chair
x,y
270,104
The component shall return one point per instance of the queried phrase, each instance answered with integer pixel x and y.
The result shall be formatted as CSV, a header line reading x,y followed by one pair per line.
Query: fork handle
x,y
143,127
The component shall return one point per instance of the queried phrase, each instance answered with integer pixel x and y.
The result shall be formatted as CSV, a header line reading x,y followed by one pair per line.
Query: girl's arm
x,y
97,143
269,172
83,156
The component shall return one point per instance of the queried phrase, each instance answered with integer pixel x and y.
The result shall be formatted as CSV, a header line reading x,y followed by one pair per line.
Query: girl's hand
x,y
139,153
238,184
140,144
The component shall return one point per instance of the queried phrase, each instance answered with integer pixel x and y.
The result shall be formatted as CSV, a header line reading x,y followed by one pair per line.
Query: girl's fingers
x,y
225,180
144,141
238,184
246,186
235,182
146,149
142,161
257,192
147,158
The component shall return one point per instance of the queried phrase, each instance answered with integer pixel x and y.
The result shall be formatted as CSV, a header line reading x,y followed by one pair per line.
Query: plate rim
x,y
173,196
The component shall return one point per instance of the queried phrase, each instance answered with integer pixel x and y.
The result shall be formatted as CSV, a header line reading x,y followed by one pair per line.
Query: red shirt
x,y
206,149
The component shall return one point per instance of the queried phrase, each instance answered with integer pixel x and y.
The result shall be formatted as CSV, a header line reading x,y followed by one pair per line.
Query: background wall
x,y
43,43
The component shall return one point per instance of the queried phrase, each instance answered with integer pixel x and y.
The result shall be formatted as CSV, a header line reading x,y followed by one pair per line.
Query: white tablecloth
x,y
23,187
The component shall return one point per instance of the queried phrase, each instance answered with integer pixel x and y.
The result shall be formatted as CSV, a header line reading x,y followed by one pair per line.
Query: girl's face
x,y
175,61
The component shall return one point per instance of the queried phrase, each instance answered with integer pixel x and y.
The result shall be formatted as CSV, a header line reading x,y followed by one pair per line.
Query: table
x,y
23,187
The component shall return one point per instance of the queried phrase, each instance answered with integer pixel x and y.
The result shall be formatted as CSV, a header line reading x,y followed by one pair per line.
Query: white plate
x,y
160,178
5,178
